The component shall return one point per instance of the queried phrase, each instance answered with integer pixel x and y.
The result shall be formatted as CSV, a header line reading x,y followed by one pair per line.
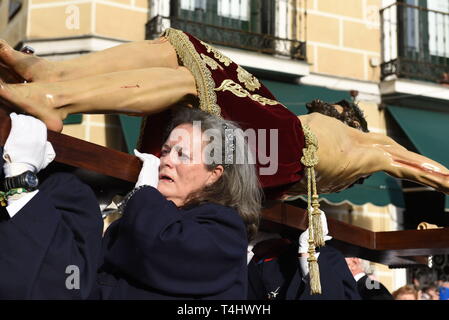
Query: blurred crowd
x,y
438,290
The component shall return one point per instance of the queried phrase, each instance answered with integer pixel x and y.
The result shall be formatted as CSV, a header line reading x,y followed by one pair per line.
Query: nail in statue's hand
x,y
149,174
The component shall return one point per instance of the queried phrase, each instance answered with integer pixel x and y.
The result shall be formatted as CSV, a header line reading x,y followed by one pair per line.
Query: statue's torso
x,y
338,166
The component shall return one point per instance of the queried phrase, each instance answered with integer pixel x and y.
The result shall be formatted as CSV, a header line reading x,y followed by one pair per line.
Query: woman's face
x,y
182,170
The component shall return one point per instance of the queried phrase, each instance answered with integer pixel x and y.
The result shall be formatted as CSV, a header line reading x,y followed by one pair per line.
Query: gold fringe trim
x,y
192,60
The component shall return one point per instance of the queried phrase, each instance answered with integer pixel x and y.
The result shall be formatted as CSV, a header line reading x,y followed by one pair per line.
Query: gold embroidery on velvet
x,y
239,91
251,82
217,54
211,62
191,60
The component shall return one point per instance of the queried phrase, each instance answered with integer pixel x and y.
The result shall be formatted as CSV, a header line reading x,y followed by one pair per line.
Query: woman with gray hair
x,y
183,233
188,238
238,186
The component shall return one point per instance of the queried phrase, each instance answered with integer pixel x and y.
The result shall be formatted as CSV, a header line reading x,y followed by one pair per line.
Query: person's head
x,y
444,79
407,292
347,112
357,265
443,283
200,164
430,293
443,290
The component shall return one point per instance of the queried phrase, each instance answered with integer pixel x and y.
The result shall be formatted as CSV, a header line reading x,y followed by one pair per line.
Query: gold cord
x,y
316,237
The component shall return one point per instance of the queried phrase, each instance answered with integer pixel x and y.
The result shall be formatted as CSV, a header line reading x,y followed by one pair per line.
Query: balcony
x,y
230,37
415,43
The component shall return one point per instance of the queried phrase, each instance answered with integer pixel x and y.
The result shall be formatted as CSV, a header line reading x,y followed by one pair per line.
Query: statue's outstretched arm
x,y
346,154
401,163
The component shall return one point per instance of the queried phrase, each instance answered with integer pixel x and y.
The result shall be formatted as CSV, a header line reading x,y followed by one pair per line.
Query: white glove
x,y
249,253
304,264
149,174
304,237
27,147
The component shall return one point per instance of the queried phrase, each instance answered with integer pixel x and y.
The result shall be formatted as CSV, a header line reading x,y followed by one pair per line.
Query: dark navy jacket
x,y
60,227
281,278
370,289
156,251
337,282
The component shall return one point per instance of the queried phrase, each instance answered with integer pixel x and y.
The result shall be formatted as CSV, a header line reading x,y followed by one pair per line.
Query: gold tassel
x,y
316,237
310,160
316,216
317,226
314,270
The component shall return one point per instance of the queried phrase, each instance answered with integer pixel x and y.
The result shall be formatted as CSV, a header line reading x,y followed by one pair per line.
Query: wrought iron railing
x,y
415,43
235,38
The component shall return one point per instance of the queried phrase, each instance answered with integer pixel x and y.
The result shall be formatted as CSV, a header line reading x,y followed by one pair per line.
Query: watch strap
x,y
17,182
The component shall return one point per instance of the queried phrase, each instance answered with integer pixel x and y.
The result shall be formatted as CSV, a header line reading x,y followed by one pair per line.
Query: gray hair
x,y
239,186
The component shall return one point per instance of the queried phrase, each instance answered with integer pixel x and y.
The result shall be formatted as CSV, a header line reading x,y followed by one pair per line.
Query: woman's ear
x,y
216,173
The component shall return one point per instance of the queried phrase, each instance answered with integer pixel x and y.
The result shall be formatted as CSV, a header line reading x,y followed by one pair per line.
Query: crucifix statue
x,y
147,78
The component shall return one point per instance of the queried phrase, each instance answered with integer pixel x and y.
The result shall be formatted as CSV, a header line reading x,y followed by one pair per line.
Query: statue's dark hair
x,y
351,115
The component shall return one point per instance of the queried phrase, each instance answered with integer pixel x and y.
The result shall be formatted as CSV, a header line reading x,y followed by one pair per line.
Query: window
x,y
193,5
247,15
412,26
438,28
416,40
254,25
234,9
14,8
426,27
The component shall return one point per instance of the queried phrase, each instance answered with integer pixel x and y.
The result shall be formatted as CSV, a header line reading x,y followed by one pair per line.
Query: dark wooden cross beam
x,y
395,248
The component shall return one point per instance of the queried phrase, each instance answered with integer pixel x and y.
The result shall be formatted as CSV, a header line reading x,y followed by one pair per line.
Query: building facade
x,y
386,55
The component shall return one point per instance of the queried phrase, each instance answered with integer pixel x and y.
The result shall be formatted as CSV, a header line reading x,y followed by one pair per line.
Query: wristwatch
x,y
27,180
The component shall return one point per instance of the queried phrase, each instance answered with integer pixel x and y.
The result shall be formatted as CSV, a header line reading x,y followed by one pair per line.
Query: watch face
x,y
31,180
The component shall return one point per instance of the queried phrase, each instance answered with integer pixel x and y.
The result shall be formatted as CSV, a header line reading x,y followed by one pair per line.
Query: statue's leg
x,y
136,92
28,67
128,56
401,163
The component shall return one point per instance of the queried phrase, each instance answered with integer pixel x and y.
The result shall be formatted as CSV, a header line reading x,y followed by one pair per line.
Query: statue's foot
x,y
31,99
30,67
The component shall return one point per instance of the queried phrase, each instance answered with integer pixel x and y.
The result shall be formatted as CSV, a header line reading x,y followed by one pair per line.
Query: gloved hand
x,y
304,237
149,174
304,244
27,147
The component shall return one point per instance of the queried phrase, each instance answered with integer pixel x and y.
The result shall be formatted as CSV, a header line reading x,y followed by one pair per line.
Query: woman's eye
x,y
183,156
164,152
